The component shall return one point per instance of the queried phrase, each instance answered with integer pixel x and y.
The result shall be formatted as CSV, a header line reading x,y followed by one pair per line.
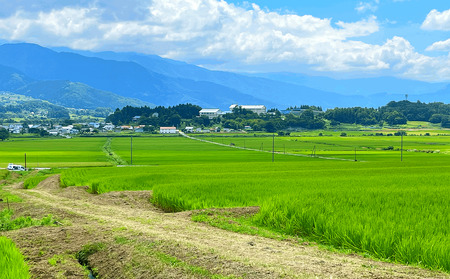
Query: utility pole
x,y
25,160
131,153
355,154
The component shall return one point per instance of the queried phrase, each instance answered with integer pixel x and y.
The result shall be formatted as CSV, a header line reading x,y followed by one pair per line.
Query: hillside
x,y
160,81
127,79
20,106
292,88
63,93
76,95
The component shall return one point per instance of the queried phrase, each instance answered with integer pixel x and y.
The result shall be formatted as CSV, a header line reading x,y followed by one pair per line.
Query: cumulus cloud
x,y
235,37
436,20
440,46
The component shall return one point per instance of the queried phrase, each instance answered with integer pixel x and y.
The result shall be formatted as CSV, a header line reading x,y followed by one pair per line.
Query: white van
x,y
13,167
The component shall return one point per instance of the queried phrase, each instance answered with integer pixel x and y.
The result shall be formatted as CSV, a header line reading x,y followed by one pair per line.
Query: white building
x,y
189,129
211,113
108,127
168,130
94,125
258,109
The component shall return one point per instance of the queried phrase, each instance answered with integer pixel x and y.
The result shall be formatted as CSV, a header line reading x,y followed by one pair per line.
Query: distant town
x,y
191,118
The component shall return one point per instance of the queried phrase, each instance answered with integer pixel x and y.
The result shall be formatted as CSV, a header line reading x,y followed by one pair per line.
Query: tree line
x,y
311,117
394,113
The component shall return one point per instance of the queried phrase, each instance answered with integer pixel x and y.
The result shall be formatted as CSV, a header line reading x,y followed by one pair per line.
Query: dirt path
x,y
140,241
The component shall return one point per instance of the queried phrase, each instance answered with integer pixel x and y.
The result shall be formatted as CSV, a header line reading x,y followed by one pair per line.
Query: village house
x,y
168,130
211,113
108,127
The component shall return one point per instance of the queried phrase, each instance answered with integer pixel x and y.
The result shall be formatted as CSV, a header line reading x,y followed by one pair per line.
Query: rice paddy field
x,y
379,205
12,263
49,152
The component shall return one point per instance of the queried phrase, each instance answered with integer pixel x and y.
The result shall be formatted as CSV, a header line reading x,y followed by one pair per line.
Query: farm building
x,y
168,130
211,113
259,109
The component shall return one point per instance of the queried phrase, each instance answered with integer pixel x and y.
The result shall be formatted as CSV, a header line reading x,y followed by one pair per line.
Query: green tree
x,y
395,118
4,134
270,127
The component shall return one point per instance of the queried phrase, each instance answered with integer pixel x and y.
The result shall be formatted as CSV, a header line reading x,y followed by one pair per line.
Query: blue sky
x,y
398,18
347,38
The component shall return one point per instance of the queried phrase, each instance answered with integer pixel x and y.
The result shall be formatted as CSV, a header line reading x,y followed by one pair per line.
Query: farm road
x,y
143,242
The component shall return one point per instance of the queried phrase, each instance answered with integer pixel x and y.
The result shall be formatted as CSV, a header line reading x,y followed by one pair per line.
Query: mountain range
x,y
83,79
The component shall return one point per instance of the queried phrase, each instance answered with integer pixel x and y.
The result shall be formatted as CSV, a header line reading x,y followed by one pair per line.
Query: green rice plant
x,y
32,182
379,205
12,263
34,179
54,152
387,210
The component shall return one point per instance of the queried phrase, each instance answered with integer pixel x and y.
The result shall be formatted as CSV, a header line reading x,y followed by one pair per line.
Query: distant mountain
x,y
64,93
442,95
264,91
11,79
125,78
359,86
76,95
291,88
168,82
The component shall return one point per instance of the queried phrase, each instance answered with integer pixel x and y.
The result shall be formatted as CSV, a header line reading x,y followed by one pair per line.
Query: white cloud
x,y
436,20
440,46
363,7
239,38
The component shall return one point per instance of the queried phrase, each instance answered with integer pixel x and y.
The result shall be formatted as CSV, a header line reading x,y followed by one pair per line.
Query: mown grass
x,y
12,263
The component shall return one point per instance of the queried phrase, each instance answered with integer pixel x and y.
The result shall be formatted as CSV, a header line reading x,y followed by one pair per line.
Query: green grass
x,y
8,223
12,263
5,195
4,174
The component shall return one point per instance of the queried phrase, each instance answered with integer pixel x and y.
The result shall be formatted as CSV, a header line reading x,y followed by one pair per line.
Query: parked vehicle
x,y
13,167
